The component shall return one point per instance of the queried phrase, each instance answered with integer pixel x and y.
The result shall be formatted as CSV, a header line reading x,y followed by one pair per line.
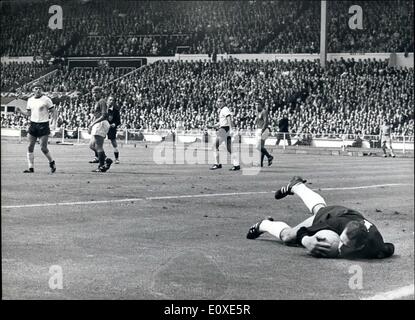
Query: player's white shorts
x,y
386,142
100,129
264,136
222,134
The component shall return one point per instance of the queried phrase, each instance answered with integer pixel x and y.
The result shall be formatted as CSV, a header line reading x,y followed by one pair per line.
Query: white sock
x,y
216,154
309,197
273,227
31,159
235,158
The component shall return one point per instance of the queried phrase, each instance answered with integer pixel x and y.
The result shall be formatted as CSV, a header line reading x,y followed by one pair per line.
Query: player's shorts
x,y
100,129
329,212
264,136
39,129
223,134
112,133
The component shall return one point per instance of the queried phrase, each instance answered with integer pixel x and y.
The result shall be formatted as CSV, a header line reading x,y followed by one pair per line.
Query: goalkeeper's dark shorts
x,y
39,129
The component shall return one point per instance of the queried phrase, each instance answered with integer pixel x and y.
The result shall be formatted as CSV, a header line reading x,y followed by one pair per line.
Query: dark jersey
x,y
100,109
114,117
262,120
336,218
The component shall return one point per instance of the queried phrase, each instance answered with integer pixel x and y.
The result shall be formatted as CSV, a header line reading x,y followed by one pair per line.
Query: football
x,y
333,238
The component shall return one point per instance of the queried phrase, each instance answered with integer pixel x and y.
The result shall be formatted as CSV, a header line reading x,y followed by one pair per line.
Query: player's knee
x,y
287,235
31,148
44,149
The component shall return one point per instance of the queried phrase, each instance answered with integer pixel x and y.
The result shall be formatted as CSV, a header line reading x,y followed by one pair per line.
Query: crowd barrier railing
x,y
283,139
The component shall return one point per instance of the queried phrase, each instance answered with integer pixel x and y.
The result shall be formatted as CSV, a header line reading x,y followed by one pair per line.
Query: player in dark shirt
x,y
359,238
262,131
283,127
98,130
114,120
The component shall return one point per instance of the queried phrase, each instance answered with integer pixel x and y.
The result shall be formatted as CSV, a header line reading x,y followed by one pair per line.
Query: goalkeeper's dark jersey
x,y
336,218
114,116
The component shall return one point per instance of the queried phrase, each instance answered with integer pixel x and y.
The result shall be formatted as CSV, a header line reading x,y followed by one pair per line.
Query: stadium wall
x,y
405,60
399,58
17,59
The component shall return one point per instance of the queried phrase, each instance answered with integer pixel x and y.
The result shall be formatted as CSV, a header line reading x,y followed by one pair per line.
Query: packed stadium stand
x,y
348,97
119,28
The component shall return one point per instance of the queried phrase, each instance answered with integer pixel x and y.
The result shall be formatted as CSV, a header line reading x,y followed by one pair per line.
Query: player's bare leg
x,y
93,147
392,153
30,155
384,149
104,162
217,164
265,153
282,231
44,147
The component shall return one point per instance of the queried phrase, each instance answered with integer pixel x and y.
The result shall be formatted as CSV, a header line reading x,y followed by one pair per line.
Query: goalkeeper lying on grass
x,y
331,231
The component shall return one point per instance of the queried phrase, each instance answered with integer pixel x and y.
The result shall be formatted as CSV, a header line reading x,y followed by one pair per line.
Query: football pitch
x,y
148,231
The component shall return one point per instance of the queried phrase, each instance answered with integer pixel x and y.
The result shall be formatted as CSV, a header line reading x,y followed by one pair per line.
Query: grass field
x,y
147,231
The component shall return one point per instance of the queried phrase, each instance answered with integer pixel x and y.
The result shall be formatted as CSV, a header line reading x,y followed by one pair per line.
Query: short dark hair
x,y
36,85
356,231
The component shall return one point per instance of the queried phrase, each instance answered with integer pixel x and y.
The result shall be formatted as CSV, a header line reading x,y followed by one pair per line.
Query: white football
x,y
333,238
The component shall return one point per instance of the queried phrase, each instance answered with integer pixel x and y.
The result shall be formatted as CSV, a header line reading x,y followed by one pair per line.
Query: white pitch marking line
x,y
185,196
394,294
208,195
368,187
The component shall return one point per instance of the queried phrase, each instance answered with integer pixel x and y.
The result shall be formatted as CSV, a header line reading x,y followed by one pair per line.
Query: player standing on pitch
x,y
37,109
359,238
262,131
114,120
386,138
224,132
99,129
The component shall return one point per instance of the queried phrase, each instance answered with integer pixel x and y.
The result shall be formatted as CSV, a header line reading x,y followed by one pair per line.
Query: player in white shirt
x,y
38,108
386,138
224,133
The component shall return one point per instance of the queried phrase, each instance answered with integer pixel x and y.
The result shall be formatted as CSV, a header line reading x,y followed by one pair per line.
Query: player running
x,y
359,238
99,129
38,108
262,131
224,133
385,138
114,120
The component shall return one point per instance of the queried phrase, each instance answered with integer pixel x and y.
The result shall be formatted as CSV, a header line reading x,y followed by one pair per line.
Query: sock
x,y
49,156
273,227
96,154
31,159
116,154
310,198
265,152
101,157
262,159
216,154
235,159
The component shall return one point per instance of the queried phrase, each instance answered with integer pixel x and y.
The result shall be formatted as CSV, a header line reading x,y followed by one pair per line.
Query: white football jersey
x,y
39,108
223,113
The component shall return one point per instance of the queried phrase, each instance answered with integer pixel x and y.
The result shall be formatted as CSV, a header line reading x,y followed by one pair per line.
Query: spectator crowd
x,y
347,97
16,74
134,28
